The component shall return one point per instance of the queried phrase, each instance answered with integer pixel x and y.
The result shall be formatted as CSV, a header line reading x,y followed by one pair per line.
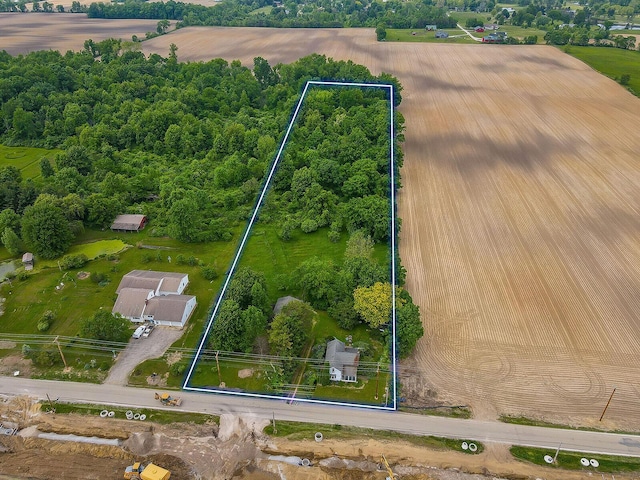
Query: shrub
x,y
97,277
146,257
209,272
309,225
180,260
71,262
625,79
23,275
26,350
334,236
192,261
45,358
43,326
177,369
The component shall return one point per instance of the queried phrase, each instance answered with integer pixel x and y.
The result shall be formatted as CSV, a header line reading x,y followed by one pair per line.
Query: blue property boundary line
x,y
249,227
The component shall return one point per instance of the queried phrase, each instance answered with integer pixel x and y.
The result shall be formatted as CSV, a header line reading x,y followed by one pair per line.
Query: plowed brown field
x,y
520,210
520,218
26,32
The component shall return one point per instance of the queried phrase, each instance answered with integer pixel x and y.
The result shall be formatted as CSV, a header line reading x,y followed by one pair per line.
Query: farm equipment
x,y
391,475
151,472
167,399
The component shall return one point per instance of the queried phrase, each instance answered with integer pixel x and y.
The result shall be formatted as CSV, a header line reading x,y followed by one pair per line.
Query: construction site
x,y
38,444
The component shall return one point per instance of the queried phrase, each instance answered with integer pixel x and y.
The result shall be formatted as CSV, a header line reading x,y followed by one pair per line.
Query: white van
x,y
139,331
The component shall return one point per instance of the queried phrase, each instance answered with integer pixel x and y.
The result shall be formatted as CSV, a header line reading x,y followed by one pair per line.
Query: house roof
x,y
130,302
128,222
150,279
341,357
169,308
282,302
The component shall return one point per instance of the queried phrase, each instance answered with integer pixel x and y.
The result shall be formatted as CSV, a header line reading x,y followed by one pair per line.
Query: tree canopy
x,y
106,326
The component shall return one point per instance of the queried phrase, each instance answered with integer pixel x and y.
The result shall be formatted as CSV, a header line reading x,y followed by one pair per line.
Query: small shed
x,y
431,28
27,261
282,301
129,223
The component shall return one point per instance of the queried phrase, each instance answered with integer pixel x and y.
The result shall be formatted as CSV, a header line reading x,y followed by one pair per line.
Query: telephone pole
x,y
607,405
60,350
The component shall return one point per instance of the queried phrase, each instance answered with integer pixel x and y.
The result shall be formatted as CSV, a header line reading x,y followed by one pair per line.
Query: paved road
x,y
588,442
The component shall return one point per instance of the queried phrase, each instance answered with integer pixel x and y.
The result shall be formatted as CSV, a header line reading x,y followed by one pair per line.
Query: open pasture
x,y
25,32
520,218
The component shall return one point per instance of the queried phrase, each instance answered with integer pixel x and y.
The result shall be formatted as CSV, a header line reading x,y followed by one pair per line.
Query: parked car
x,y
147,331
139,331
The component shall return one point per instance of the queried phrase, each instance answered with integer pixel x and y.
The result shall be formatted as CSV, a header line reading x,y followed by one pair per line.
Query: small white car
x,y
147,331
139,331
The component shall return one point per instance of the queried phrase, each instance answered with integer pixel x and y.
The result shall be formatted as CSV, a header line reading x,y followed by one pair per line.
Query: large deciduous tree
x,y
106,326
373,304
45,229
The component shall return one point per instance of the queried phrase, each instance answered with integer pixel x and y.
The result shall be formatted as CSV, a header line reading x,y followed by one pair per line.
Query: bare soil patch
x,y
26,32
235,450
519,218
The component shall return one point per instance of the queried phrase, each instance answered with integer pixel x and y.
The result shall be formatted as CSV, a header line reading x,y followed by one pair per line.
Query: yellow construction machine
x,y
392,476
167,399
151,472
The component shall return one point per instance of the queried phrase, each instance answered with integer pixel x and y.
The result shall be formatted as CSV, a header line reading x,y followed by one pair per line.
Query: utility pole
x,y
607,405
53,410
557,452
274,423
60,350
377,378
218,365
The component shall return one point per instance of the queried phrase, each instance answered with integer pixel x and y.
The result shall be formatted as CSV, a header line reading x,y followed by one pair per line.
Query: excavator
x,y
167,399
391,475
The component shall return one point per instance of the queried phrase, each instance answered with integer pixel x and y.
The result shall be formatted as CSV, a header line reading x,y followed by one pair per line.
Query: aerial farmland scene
x,y
330,240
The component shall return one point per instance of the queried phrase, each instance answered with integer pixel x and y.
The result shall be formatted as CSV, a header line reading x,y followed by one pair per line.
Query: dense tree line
x,y
185,144
313,13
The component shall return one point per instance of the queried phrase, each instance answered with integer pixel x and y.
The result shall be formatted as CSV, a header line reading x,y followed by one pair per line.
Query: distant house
x,y
441,34
479,29
430,28
27,261
129,223
156,297
343,361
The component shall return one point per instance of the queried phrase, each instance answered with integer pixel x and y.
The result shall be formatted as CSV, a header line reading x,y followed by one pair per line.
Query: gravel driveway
x,y
139,350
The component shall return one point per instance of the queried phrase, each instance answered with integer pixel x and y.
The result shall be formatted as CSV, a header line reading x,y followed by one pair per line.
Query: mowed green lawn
x,y
407,35
612,62
73,300
26,159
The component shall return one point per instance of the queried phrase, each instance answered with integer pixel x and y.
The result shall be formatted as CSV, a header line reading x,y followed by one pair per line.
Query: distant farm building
x,y
145,295
27,261
441,34
343,361
431,28
129,223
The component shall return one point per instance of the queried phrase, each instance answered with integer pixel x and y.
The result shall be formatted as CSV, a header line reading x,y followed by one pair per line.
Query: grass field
x,y
571,460
300,431
26,159
406,35
79,299
612,62
266,10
